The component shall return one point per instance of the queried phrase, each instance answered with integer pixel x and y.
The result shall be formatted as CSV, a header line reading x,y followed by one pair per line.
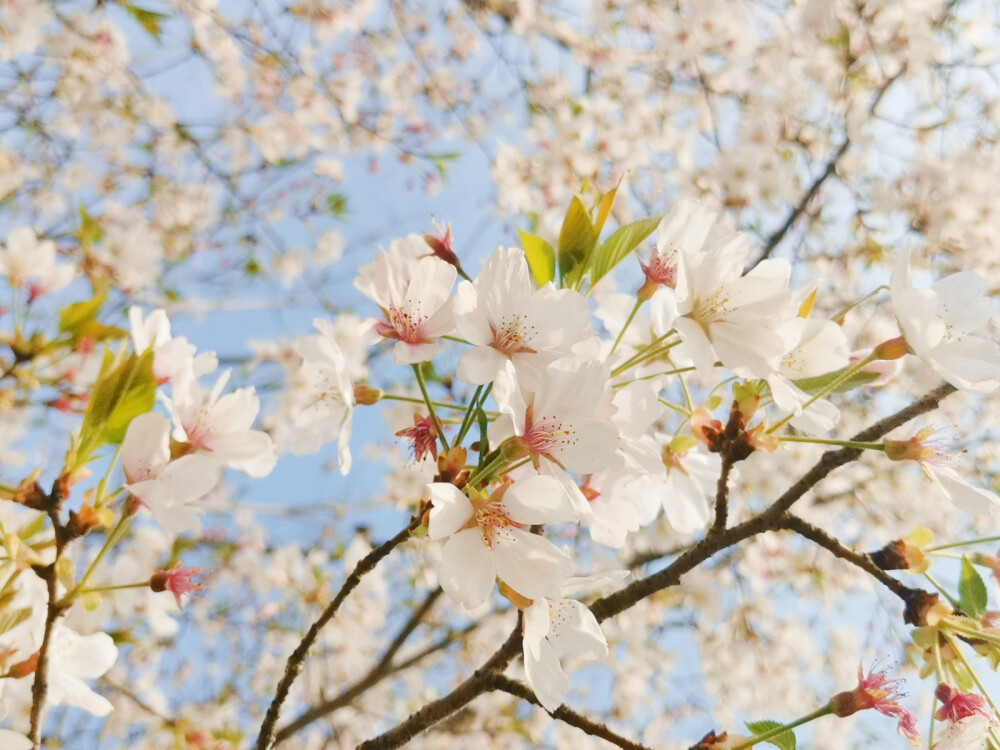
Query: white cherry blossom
x,y
24,258
558,628
939,326
168,488
415,299
487,539
506,318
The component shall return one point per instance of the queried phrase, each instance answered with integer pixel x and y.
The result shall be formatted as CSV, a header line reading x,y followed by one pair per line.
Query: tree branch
x,y
771,519
564,714
858,559
298,658
435,711
375,675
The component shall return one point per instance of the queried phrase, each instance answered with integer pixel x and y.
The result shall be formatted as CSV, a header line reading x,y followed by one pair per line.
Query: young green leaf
x,y
541,257
125,388
576,241
618,246
783,741
150,20
972,595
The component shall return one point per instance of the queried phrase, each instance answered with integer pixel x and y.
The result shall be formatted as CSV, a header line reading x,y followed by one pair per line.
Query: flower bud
x,y
367,395
891,349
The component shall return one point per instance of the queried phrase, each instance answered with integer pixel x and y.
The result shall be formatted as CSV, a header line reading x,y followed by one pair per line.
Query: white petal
x,y
451,509
536,626
546,677
971,499
537,499
576,632
467,573
530,564
481,365
146,448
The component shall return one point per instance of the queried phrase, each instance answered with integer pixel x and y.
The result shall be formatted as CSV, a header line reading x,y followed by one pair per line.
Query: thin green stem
x,y
771,733
430,406
102,486
676,371
843,377
934,582
488,469
628,322
642,353
114,536
119,587
412,400
676,407
966,543
842,443
684,387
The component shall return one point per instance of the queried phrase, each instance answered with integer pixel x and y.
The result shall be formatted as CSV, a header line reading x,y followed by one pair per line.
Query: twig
x,y
298,658
722,495
381,669
564,714
860,559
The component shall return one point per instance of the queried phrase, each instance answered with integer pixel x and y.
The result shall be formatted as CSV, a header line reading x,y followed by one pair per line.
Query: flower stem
x,y
642,354
972,673
628,322
825,390
114,536
771,733
412,400
430,406
966,543
934,582
119,587
842,443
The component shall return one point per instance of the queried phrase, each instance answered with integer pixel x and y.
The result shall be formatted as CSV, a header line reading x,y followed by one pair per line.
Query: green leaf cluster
x,y
580,258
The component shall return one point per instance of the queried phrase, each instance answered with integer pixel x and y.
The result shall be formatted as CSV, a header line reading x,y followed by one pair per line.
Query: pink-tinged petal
x,y
411,354
152,493
146,448
592,446
481,365
546,676
576,632
450,512
530,564
178,518
537,499
467,572
963,495
430,286
536,627
696,344
191,477
503,284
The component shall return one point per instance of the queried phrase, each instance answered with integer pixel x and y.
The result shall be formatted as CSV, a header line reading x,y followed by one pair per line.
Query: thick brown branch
x,y
298,658
477,684
859,559
564,714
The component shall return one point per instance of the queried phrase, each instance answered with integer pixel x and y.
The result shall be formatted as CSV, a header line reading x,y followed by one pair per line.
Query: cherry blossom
x,y
506,319
487,539
168,488
170,355
414,296
721,310
219,425
558,628
24,258
876,690
939,326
